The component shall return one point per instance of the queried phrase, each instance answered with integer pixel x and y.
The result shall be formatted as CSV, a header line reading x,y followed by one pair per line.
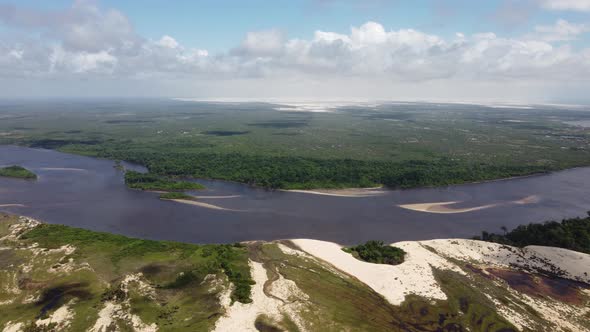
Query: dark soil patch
x,y
56,296
279,124
225,133
127,121
564,290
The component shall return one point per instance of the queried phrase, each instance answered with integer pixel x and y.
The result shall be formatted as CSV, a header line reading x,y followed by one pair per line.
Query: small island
x,y
175,195
147,181
17,172
377,252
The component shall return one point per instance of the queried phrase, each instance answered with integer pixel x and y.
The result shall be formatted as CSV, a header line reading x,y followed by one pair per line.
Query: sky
x,y
430,50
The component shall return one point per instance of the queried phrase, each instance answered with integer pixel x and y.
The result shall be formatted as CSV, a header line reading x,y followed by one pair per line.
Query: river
x,y
90,193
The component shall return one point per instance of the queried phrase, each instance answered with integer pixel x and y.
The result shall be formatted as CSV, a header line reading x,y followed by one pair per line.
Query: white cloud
x,y
93,43
81,62
261,43
562,30
575,5
168,42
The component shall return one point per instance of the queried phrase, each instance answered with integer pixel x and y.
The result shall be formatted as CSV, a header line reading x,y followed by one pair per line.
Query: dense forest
x,y
307,173
136,180
573,234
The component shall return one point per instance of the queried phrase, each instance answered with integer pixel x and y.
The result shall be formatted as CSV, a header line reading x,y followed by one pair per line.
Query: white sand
x,y
575,265
63,169
241,317
217,197
445,207
352,192
12,205
13,327
19,228
201,204
62,317
137,280
414,276
111,312
106,317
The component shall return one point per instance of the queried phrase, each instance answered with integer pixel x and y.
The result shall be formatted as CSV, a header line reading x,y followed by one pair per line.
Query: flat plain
x,y
325,146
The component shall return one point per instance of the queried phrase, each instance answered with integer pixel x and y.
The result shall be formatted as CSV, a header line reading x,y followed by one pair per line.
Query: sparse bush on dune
x,y
377,252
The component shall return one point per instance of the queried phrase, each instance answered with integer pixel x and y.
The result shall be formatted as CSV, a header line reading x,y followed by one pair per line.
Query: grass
x,y
377,252
175,195
176,271
136,180
343,303
185,298
201,260
18,172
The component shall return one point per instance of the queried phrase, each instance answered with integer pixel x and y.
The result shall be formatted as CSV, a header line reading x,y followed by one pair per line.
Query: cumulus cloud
x,y
261,43
168,42
574,5
90,42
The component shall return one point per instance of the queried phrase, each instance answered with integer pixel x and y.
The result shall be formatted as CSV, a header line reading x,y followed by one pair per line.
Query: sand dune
x,y
414,276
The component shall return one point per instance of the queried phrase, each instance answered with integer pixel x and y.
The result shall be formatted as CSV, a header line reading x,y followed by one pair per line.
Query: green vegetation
x,y
175,195
573,234
342,303
400,146
306,173
177,287
17,172
136,180
377,252
195,262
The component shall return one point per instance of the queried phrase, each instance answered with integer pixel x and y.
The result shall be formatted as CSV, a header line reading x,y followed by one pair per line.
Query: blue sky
x,y
212,46
219,25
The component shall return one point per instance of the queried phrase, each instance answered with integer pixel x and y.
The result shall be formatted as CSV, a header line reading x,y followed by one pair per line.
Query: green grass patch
x,y
182,300
18,172
231,259
175,195
377,252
